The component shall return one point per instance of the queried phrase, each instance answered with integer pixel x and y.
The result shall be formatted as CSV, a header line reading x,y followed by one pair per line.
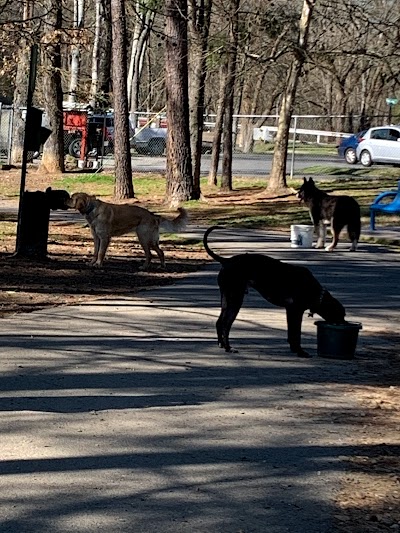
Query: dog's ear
x,y
305,180
310,180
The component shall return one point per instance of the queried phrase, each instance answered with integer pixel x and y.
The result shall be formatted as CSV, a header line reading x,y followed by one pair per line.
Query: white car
x,y
379,145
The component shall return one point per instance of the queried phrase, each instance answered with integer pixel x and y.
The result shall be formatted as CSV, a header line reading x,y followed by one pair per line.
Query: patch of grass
x,y
300,148
99,184
263,148
352,171
103,184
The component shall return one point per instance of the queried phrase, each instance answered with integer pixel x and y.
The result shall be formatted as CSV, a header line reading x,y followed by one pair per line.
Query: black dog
x,y
338,211
282,284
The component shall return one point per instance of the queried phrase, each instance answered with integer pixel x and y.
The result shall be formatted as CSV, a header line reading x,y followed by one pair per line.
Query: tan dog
x,y
110,220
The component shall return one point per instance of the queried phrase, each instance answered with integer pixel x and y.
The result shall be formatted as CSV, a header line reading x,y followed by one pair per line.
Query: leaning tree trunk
x,y
122,153
53,152
277,181
179,164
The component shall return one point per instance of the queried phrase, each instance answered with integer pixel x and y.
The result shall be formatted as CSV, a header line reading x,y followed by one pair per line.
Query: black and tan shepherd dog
x,y
336,211
282,284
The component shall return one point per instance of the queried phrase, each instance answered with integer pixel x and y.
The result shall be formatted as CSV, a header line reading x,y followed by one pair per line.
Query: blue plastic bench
x,y
390,208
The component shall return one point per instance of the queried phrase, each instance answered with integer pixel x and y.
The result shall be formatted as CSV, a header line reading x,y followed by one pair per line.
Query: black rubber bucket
x,y
337,341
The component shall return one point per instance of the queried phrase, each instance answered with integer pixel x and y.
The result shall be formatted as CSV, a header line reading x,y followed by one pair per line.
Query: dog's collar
x,y
89,209
321,297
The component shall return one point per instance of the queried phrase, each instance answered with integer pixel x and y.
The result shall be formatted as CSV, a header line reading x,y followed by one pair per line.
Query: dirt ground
x,y
369,500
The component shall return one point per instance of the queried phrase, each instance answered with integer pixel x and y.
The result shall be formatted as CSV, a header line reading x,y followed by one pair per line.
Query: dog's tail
x,y
354,223
212,254
177,224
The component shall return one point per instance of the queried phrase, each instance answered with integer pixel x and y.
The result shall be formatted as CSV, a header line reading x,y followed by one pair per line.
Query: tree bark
x,y
277,179
79,10
122,152
53,151
179,164
94,86
105,67
199,26
219,124
21,90
141,32
226,178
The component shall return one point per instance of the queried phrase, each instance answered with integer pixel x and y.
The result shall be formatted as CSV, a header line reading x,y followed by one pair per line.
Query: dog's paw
x,y
96,264
300,352
228,349
329,248
303,354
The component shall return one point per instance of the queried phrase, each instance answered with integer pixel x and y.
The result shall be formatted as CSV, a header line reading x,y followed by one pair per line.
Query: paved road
x,y
243,164
124,416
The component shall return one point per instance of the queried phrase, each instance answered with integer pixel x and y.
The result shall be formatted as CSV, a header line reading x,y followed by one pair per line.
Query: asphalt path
x,y
122,415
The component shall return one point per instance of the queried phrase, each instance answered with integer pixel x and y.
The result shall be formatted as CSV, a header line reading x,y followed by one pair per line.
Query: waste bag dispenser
x,y
33,227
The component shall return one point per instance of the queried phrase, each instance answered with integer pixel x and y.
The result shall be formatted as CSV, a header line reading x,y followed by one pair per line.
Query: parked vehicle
x,y
100,136
153,141
347,148
149,141
379,145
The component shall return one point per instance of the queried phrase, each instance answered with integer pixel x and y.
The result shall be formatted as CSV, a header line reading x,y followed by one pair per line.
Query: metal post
x,y
293,148
10,134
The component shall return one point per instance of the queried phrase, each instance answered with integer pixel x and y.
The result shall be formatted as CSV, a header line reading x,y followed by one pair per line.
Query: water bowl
x,y
301,236
337,341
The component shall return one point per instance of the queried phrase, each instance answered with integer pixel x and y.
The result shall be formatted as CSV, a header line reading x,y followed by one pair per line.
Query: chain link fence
x,y
314,137
6,120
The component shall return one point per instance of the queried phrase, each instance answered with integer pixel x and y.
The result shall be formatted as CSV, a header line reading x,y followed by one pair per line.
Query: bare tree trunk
x,y
179,164
104,80
219,123
21,90
226,178
122,152
143,24
199,26
79,11
277,179
53,152
249,106
94,86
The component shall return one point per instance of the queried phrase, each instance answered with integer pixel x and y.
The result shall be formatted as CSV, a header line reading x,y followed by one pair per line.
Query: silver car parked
x,y
379,145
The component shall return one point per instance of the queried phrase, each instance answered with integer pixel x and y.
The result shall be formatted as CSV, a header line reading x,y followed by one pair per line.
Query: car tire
x,y
350,156
365,158
74,148
156,146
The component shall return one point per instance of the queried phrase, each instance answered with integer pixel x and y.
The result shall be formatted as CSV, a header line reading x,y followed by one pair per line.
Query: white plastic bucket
x,y
301,236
